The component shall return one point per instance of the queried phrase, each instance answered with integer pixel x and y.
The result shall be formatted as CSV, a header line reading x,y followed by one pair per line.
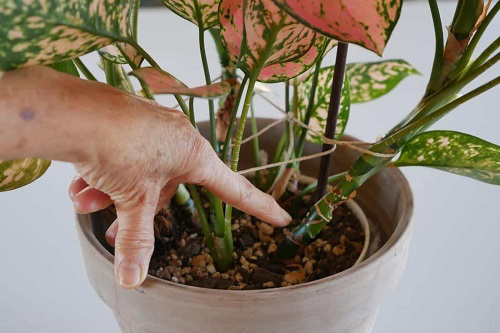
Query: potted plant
x,y
331,269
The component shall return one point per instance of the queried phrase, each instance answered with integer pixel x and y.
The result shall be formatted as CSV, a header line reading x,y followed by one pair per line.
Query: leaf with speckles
x,y
321,103
368,23
286,70
454,152
121,53
371,80
257,34
43,32
201,12
18,173
161,82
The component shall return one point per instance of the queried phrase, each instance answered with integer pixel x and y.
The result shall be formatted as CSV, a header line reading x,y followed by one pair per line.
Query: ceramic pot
x,y
345,302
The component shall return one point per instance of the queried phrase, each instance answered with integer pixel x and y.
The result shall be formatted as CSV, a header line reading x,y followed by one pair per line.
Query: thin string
x,y
286,160
293,160
348,144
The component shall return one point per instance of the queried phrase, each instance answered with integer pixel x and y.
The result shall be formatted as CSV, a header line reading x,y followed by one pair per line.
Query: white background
x,y
449,284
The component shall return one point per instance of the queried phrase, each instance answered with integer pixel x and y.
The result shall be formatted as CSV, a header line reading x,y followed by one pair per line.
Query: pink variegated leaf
x,y
290,69
267,34
368,23
161,82
201,12
121,53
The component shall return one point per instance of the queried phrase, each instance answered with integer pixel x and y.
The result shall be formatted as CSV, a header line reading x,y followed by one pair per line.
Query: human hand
x,y
148,152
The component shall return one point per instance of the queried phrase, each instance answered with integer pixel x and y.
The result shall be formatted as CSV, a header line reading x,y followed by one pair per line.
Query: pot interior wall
x,y
380,196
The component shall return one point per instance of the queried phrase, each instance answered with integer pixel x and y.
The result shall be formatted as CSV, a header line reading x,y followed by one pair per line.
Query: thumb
x,y
134,240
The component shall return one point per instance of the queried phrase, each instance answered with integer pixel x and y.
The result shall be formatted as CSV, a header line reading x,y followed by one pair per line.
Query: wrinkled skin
x,y
127,151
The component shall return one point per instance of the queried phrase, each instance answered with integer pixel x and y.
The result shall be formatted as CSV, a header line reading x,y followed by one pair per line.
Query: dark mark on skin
x,y
27,114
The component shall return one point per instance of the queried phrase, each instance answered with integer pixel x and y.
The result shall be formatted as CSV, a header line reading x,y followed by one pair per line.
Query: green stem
x,y
483,57
85,71
227,141
437,65
205,227
191,112
228,67
215,203
237,143
366,166
109,71
208,80
256,148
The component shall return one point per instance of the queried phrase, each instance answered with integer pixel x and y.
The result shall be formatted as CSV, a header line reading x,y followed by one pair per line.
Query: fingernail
x,y
286,217
129,275
77,205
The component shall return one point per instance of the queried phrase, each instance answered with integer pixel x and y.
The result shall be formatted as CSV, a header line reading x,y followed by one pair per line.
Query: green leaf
x,y
368,23
66,66
201,12
256,34
371,80
161,82
321,103
42,32
454,152
18,173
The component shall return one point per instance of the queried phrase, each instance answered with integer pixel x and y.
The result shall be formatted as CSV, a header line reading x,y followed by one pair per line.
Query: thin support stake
x,y
331,121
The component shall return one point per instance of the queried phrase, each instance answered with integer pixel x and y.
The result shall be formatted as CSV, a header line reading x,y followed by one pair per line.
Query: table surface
x,y
449,283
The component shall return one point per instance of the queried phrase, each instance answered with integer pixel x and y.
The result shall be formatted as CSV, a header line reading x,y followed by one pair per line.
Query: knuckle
x,y
134,241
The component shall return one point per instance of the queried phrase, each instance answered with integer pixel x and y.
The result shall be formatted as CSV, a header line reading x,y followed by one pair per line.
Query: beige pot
x,y
345,302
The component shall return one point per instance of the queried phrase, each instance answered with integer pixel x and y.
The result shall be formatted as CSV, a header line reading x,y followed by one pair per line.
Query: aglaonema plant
x,y
271,41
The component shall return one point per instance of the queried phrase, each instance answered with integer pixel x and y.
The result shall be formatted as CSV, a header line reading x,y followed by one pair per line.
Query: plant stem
x,y
311,187
215,203
205,227
208,80
331,121
485,54
256,148
227,141
437,65
85,71
109,72
365,167
191,112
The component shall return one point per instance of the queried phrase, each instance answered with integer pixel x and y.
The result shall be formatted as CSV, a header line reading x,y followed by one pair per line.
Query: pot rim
x,y
401,230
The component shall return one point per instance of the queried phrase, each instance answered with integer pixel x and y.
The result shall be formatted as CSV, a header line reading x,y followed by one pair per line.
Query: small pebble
x,y
199,261
211,269
272,248
175,279
269,284
338,250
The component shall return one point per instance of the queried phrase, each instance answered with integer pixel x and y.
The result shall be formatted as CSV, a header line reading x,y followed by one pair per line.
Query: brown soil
x,y
180,254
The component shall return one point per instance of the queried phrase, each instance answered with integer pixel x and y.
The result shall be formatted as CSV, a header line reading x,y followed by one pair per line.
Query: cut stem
x,y
331,121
